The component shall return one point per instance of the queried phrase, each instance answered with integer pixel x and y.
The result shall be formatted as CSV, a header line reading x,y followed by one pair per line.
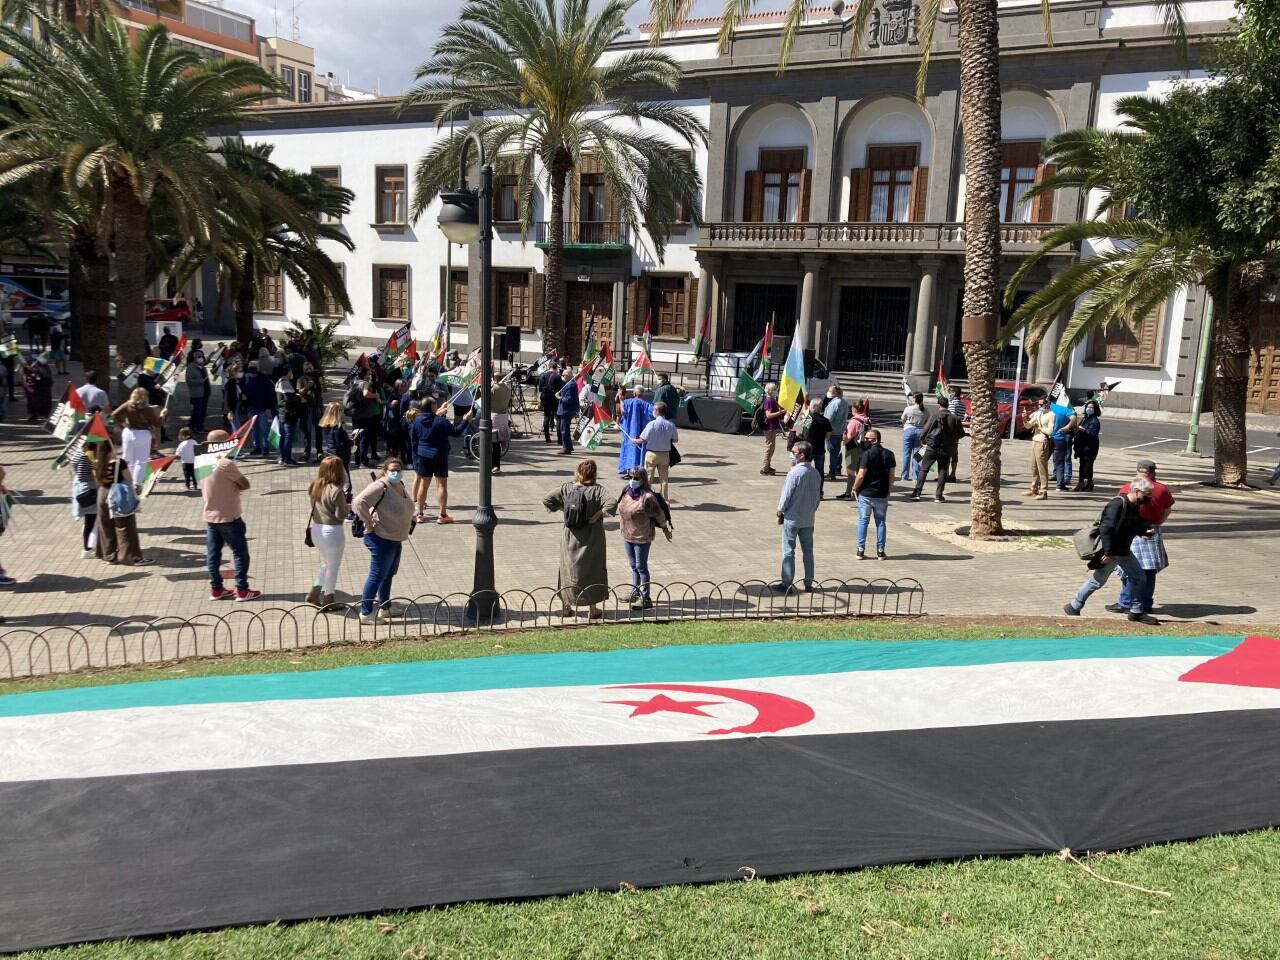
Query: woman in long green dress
x,y
583,505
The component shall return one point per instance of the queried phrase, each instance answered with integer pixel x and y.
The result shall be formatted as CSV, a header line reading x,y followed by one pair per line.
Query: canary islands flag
x,y
791,387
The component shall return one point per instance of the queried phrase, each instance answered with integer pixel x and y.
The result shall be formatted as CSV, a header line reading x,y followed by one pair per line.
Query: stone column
x,y
721,176
823,161
1046,361
808,297
926,321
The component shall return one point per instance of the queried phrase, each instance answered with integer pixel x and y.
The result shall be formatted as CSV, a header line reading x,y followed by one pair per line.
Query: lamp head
x,y
460,215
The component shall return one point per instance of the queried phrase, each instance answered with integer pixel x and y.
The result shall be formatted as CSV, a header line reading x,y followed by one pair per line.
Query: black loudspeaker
x,y
499,344
513,339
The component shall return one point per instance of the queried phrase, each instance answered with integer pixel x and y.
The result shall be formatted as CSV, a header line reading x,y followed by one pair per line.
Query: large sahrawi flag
x,y
185,804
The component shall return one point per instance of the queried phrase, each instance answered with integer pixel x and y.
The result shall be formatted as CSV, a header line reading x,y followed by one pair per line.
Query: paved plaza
x,y
1222,543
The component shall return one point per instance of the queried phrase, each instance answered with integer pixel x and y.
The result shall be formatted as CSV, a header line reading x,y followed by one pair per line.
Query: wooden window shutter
x,y
641,304
1044,202
538,299
859,194
806,188
1116,212
753,196
919,194
691,305
1148,333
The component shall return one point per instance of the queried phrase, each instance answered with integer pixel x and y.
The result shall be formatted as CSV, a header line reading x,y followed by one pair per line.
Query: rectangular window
x,y
304,86
333,176
389,187
271,295
458,296
506,199
286,75
891,171
781,170
1019,162
515,301
591,209
1124,344
327,305
391,292
669,306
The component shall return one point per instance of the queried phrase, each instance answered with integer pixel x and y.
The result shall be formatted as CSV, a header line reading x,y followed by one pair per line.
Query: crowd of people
x,y
403,428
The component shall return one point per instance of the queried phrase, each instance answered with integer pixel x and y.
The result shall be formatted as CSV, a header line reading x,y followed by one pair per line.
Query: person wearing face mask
x,y
1041,422
1120,522
641,513
386,510
797,509
1086,442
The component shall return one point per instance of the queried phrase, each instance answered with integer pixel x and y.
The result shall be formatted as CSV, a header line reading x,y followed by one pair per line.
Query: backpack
x,y
122,501
577,512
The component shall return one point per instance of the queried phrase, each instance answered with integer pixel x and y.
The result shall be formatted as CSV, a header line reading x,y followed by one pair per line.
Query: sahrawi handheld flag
x,y
593,432
152,470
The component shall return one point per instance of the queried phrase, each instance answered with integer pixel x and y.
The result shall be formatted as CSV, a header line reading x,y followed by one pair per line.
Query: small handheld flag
x,y
638,367
152,470
273,437
766,352
700,341
647,335
906,389
154,365
68,415
593,432
943,387
589,346
749,393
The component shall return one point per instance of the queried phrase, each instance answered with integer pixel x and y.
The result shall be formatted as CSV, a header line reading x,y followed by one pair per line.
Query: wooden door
x,y
1264,362
581,300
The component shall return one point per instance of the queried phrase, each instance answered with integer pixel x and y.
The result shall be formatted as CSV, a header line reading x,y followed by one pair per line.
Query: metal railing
x,y
27,653
609,233
941,237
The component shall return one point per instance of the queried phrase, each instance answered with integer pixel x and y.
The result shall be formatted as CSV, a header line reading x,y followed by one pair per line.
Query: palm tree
x,y
531,77
129,118
1188,202
979,41
271,230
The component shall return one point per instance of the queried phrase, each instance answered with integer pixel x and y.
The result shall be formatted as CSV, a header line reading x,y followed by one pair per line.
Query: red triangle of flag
x,y
1254,663
73,399
97,430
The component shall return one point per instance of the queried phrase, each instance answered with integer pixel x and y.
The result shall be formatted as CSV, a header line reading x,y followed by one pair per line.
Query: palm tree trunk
x,y
980,120
90,274
129,226
1231,338
553,328
245,301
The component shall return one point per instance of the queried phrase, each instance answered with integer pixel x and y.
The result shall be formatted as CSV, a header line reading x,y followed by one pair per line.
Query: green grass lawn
x,y
1224,903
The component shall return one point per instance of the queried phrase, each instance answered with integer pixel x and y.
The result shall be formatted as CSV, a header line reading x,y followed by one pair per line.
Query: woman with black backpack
x,y
584,579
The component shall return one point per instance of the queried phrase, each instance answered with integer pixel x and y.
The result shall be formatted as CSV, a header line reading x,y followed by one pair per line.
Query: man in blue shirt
x,y
567,408
657,438
1064,425
797,507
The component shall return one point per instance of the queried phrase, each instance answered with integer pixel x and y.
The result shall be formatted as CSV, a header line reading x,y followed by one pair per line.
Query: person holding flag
x,y
140,419
657,439
115,531
637,413
771,413
221,487
567,408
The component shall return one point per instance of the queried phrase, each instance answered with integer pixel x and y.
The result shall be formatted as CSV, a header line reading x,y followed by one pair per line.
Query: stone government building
x,y
832,200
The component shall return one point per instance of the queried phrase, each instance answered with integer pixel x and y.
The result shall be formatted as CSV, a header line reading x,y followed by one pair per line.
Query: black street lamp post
x,y
465,217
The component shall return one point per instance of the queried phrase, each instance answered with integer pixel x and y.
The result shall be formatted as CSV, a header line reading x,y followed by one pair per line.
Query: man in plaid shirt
x,y
1148,551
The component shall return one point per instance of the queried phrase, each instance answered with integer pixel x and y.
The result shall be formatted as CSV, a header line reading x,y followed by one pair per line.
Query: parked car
x,y
168,311
1029,395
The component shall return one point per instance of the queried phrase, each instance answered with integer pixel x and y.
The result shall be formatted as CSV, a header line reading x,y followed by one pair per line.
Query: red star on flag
x,y
661,703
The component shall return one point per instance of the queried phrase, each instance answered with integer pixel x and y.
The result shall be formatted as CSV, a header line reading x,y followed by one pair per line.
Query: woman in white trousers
x,y
328,511
137,419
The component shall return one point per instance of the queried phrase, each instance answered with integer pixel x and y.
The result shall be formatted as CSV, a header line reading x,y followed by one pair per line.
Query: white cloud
x,y
380,43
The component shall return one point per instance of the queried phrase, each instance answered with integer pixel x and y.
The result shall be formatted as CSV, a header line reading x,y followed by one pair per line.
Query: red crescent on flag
x,y
774,712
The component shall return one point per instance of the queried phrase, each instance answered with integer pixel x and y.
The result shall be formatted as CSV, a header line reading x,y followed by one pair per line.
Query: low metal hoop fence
x,y
26,653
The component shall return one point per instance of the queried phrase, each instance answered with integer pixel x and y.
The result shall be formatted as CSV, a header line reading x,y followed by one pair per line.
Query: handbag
x,y
87,498
674,457
306,535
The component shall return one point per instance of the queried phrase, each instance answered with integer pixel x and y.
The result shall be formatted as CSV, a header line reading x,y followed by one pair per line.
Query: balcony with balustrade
x,y
880,238
587,237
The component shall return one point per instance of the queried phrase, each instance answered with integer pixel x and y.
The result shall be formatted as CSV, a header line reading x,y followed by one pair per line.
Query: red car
x,y
1029,395
168,311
